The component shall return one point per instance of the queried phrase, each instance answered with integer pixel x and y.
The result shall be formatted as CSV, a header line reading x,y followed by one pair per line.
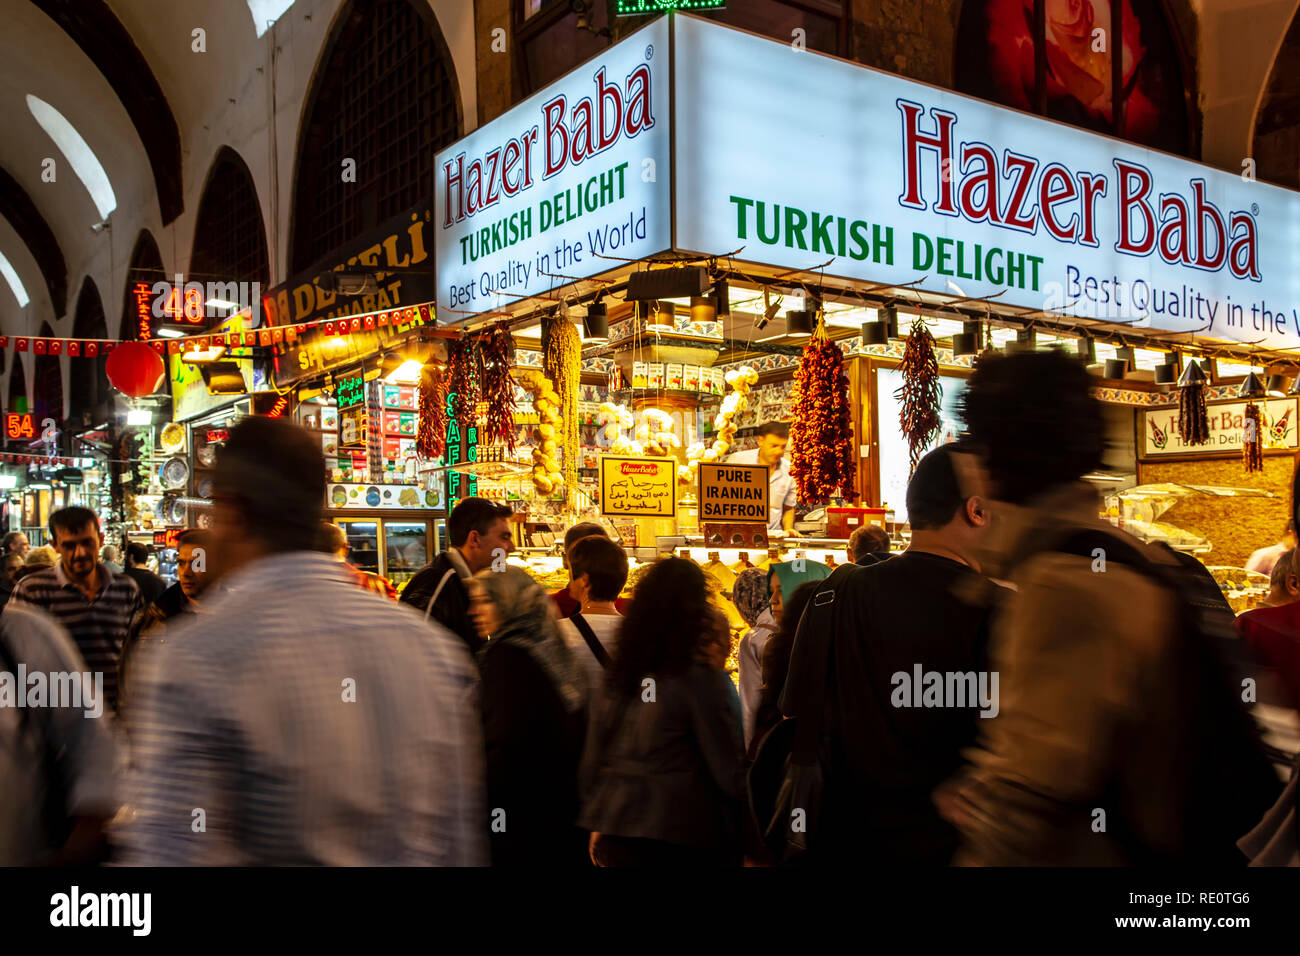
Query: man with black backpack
x,y
1122,739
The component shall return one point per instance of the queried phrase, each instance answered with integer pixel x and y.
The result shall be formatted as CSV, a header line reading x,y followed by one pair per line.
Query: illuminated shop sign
x,y
804,161
574,173
20,426
891,181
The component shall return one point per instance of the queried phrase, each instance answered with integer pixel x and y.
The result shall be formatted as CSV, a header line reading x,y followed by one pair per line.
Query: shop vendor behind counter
x,y
772,440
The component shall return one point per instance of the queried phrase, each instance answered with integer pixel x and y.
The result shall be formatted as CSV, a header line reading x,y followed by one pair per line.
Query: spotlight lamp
x,y
967,341
875,333
1252,388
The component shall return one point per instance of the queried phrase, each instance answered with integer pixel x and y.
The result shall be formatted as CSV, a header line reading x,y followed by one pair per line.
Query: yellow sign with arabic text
x,y
640,487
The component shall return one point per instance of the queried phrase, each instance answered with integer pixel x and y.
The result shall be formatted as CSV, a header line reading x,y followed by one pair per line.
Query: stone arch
x,y
89,390
1275,138
384,94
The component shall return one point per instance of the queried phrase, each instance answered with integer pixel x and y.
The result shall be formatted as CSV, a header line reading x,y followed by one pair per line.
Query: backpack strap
x,y
436,591
588,635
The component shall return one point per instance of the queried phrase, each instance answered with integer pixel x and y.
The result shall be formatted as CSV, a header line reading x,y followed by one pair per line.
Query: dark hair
x,y
1035,421
194,537
136,553
779,429
604,563
1285,565
934,494
275,472
72,519
868,538
583,529
664,626
473,514
10,538
331,538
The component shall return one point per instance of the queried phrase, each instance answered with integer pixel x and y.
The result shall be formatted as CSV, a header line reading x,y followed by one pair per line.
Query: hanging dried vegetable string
x,y
562,364
1193,417
920,393
1252,445
463,384
431,437
822,460
497,355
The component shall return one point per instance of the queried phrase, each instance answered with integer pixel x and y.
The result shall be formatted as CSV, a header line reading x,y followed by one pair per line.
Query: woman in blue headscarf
x,y
760,594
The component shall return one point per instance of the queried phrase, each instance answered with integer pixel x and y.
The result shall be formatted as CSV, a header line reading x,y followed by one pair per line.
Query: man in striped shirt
x,y
95,604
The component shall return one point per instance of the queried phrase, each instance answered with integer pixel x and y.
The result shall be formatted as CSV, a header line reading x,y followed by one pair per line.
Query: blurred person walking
x,y
38,559
534,697
662,768
93,603
478,532
137,569
1262,561
598,572
1115,696
859,666
57,761
310,721
334,541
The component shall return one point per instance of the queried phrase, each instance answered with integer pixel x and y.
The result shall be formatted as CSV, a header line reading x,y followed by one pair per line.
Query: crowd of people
x,y
1024,684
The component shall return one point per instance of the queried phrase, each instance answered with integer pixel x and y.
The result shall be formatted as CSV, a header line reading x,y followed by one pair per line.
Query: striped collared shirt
x,y
98,627
313,723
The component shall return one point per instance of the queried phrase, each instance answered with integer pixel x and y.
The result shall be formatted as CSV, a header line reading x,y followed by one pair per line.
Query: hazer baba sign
x,y
638,487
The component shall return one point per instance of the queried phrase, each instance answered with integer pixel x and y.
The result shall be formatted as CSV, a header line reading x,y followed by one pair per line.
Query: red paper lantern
x,y
135,369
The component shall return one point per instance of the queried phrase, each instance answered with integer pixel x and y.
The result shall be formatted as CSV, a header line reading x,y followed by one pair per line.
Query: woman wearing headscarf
x,y
776,664
750,595
533,703
779,582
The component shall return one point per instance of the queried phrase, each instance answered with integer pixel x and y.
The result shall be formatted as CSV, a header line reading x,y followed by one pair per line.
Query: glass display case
x,y
394,546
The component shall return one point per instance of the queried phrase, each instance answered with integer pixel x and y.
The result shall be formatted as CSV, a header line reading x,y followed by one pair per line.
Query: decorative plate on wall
x,y
175,473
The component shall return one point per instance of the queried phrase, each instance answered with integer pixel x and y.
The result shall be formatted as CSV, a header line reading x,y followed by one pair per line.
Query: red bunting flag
x,y
355,325
424,313
277,335
56,346
39,346
74,348
173,347
92,349
369,322
383,318
4,341
21,344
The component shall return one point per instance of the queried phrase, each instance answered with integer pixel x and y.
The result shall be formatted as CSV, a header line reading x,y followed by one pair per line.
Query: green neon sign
x,y
641,8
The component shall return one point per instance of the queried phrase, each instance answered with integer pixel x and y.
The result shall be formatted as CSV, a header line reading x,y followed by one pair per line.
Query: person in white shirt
x,y
309,721
597,573
772,440
1264,559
